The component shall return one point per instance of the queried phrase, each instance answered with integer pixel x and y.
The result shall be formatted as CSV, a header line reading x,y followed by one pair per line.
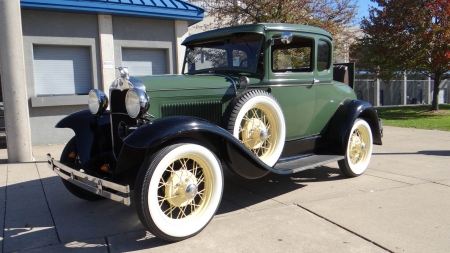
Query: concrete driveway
x,y
401,204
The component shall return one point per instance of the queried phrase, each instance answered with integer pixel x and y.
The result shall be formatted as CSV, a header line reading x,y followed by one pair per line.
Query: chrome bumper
x,y
95,185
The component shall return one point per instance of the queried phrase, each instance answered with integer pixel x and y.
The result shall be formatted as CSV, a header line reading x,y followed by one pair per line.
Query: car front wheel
x,y
359,149
179,190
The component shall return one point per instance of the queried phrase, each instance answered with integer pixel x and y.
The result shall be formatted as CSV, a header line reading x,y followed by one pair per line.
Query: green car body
x,y
307,107
258,98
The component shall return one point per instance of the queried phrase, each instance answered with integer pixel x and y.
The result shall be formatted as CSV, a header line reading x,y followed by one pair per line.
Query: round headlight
x,y
136,102
98,101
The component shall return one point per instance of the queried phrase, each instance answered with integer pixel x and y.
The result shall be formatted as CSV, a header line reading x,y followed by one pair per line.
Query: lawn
x,y
417,117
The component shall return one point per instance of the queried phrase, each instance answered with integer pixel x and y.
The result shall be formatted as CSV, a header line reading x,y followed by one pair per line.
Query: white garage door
x,y
143,62
62,70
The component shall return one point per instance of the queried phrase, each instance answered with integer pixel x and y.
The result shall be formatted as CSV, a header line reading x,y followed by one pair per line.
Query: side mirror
x,y
285,38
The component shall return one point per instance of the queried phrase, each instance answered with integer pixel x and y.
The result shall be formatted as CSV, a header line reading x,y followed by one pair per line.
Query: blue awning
x,y
165,9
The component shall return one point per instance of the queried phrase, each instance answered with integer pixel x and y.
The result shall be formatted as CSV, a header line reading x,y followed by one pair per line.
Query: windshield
x,y
238,53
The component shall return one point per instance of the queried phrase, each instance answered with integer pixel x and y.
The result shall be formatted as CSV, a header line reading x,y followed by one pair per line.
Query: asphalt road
x,y
401,204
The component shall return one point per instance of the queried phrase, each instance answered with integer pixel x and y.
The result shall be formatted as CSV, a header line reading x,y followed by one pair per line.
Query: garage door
x,y
143,62
62,70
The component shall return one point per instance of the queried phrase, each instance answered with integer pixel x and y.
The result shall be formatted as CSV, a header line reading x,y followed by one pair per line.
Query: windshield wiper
x,y
251,51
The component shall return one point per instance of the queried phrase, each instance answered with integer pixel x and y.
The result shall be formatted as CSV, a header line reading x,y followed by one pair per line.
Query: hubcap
x,y
264,135
191,191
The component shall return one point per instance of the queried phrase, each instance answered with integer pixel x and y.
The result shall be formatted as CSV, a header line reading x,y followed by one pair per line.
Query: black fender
x,y
342,122
93,133
167,130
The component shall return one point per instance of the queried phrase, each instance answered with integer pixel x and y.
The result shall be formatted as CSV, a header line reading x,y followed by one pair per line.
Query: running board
x,y
305,163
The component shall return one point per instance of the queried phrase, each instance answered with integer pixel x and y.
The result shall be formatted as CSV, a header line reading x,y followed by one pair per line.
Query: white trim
x,y
181,32
59,101
106,38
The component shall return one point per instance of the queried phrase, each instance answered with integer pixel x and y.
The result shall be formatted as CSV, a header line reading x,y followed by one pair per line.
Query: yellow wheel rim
x,y
185,188
258,131
359,145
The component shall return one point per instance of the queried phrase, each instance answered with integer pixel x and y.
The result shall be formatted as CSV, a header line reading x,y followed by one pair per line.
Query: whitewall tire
x,y
179,191
359,149
255,118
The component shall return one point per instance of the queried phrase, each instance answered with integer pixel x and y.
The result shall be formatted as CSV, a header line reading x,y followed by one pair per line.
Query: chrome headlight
x,y
98,102
136,102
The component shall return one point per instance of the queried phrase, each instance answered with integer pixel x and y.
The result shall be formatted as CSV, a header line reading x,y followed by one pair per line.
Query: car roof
x,y
254,28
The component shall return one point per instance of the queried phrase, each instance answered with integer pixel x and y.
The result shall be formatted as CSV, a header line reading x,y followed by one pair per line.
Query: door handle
x,y
315,81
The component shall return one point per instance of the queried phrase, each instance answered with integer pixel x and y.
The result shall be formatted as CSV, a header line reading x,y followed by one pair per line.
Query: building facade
x,y
73,46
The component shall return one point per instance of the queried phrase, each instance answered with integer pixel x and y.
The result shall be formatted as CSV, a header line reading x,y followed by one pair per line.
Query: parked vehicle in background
x,y
257,98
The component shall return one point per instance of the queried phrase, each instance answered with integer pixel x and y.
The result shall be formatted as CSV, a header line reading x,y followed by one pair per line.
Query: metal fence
x,y
364,89
391,93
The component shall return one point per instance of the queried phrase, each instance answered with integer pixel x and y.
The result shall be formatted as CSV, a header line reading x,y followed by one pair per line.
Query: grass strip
x,y
420,117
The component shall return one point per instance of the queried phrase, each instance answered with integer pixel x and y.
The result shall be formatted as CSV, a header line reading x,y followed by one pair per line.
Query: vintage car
x,y
256,98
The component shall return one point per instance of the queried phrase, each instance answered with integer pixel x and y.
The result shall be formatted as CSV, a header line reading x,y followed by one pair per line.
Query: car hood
x,y
199,81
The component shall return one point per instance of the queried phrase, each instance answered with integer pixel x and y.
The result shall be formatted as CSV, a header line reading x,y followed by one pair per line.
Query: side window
x,y
293,57
323,56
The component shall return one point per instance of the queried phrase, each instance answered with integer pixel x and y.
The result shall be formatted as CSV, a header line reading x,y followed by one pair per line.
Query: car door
x,y
328,95
291,77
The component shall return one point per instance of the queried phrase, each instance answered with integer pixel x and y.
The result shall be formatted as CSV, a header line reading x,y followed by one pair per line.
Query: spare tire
x,y
255,118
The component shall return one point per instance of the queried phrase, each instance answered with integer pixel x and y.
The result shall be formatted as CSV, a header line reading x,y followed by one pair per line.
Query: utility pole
x,y
14,86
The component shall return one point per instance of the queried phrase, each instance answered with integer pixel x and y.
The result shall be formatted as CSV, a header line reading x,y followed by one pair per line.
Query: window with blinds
x,y
144,62
62,70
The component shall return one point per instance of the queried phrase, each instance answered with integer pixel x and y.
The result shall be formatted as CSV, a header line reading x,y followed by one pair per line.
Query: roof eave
x,y
192,14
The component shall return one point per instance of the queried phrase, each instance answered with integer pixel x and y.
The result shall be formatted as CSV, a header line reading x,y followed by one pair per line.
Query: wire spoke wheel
x,y
179,191
359,149
255,131
184,188
255,118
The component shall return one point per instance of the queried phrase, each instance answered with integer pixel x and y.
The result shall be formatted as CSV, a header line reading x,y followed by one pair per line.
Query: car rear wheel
x,y
255,118
359,149
69,156
178,191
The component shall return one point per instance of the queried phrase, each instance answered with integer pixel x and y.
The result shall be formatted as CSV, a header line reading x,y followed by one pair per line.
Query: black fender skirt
x,y
340,125
93,133
163,131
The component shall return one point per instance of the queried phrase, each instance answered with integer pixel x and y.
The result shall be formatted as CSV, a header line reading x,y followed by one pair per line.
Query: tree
x,y
408,35
334,16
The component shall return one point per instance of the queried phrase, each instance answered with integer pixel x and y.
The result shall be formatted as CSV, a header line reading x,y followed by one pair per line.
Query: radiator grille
x,y
211,110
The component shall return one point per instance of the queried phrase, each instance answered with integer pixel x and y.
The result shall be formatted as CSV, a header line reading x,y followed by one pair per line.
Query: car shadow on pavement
x,y
42,212
34,219
273,185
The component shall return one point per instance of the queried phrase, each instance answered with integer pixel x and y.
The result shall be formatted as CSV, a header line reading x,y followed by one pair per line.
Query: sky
x,y
363,8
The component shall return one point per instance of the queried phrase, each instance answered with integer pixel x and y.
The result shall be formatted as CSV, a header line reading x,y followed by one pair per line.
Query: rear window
x,y
323,56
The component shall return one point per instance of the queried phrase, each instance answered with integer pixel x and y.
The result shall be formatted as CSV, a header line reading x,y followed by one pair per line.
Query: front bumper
x,y
109,190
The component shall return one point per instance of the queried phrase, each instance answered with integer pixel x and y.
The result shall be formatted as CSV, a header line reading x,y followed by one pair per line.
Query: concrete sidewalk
x,y
401,204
